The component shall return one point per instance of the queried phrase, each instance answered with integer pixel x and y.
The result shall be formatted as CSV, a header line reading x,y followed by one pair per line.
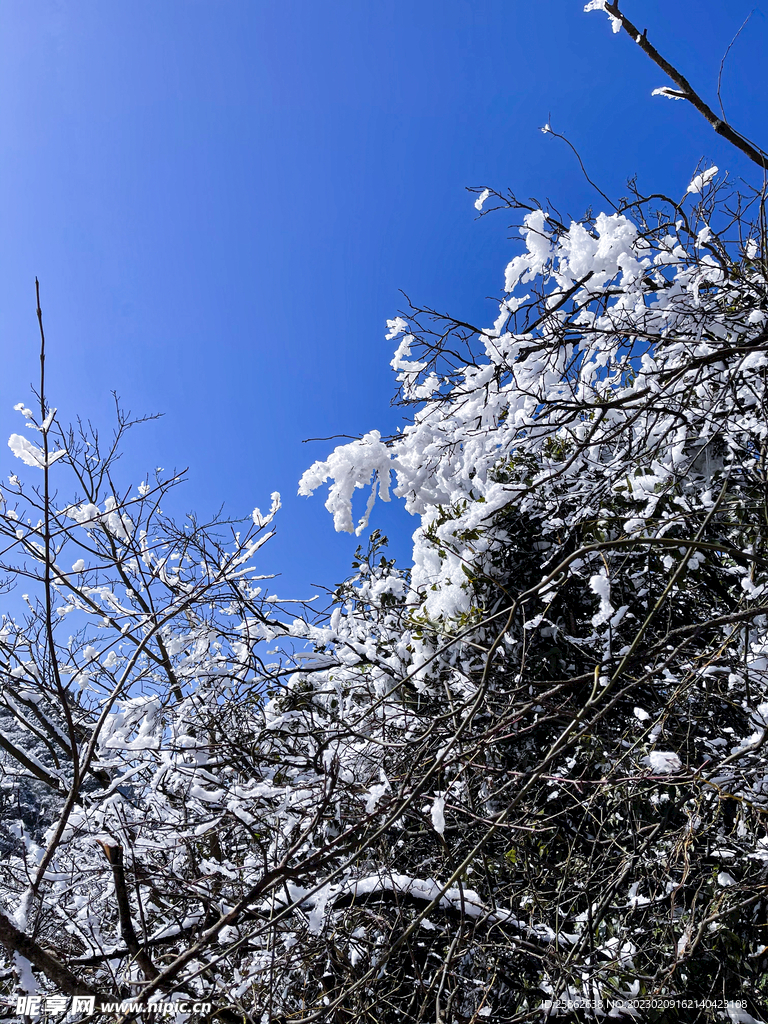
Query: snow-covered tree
x,y
572,681
147,806
531,769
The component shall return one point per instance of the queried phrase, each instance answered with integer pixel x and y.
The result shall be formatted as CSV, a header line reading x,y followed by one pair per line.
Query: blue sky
x,y
222,199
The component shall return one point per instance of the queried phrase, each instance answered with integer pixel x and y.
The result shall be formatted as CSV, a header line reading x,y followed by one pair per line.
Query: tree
x,y
528,770
583,635
133,819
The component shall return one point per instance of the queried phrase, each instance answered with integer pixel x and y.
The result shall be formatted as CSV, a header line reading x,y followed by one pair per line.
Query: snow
x,y
30,454
437,813
601,585
668,93
395,327
264,520
552,465
367,462
664,762
84,513
482,198
739,1015
599,5
375,794
701,180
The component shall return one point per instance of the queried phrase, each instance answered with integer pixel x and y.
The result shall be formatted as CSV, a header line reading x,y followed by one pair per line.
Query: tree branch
x,y
15,941
687,92
114,855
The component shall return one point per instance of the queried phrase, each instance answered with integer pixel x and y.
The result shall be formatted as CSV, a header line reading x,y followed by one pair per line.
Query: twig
x,y
725,57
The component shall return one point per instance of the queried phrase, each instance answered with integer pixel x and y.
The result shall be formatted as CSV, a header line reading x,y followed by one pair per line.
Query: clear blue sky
x,y
222,199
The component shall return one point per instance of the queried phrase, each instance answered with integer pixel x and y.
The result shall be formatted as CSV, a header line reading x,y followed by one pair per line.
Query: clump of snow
x,y
263,520
664,762
24,410
601,585
482,198
376,793
701,180
30,454
670,94
599,5
362,463
438,814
